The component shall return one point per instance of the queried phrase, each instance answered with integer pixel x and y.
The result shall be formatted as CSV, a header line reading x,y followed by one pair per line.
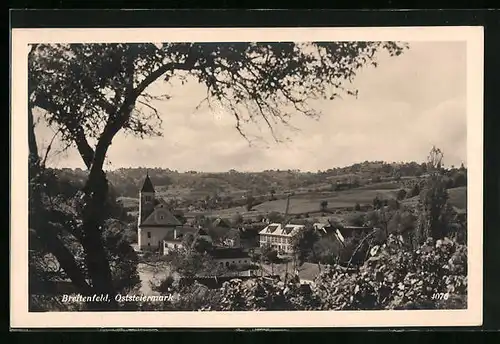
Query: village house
x,y
230,257
155,220
279,236
341,232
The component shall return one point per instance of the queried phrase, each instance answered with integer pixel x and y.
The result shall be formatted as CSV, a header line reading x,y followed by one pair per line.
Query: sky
x,y
405,105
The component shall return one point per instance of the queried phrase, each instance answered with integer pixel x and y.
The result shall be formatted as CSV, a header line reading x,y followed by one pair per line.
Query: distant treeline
x,y
127,181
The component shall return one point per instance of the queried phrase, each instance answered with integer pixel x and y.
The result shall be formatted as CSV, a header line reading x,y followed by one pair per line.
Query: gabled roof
x,y
148,185
202,232
161,217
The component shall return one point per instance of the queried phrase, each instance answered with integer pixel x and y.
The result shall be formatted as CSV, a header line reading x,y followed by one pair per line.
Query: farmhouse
x,y
155,220
230,257
341,232
279,236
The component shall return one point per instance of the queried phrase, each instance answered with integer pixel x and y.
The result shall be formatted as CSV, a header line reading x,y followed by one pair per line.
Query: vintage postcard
x,y
247,178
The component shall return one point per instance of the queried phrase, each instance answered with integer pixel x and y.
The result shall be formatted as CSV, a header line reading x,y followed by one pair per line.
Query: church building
x,y
155,219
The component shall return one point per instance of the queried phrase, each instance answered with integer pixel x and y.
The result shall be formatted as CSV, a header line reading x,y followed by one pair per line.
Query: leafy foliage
x,y
394,277
192,263
398,278
56,252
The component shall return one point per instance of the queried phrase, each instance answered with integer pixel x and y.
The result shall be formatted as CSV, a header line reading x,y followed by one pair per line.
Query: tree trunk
x,y
96,259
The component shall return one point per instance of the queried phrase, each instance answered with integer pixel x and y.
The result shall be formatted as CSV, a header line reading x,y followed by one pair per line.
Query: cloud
x,y
405,105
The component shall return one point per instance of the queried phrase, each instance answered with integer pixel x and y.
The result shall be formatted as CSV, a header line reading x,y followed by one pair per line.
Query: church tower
x,y
146,199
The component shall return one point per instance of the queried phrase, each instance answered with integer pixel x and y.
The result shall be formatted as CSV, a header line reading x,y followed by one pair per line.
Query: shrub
x,y
396,278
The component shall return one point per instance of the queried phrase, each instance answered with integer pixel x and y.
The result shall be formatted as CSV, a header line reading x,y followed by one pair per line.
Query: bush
x,y
396,278
401,195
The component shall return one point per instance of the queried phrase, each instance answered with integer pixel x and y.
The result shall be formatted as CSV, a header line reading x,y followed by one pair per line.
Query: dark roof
x,y
148,185
161,216
220,222
228,253
202,231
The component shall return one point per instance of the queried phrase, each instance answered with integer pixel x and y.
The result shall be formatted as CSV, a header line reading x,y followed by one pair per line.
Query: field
x,y
129,202
457,198
303,202
310,202
381,186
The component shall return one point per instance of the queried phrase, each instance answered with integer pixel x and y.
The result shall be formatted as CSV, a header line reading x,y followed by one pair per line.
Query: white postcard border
x,y
21,318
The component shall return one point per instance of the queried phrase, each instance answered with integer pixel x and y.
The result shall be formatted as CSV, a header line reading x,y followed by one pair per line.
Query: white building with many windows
x,y
279,236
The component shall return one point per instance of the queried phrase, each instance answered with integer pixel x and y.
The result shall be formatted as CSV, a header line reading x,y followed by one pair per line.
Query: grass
x,y
382,186
310,202
456,196
129,202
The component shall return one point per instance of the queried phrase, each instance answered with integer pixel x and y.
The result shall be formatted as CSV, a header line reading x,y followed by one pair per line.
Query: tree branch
x,y
64,257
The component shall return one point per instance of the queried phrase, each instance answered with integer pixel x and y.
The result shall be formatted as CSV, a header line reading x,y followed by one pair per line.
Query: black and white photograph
x,y
249,174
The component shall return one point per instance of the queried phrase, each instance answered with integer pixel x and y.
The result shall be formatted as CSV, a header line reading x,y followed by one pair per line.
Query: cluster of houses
x,y
160,230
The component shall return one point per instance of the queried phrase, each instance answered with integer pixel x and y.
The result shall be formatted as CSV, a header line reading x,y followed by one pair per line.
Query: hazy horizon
x,y
151,168
405,106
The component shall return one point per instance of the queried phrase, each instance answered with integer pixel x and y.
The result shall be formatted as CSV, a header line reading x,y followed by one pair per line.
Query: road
x,y
149,273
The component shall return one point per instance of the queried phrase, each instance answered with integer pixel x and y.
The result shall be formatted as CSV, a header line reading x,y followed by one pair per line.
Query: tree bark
x,y
94,216
34,157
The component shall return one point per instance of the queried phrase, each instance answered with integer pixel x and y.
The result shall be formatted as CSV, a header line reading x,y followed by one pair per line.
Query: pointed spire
x,y
148,185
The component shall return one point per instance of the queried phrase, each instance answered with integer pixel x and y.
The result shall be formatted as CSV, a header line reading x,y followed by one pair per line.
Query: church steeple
x,y
146,199
148,185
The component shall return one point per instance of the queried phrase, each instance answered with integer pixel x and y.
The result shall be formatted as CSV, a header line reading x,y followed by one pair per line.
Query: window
x,y
161,217
149,244
149,235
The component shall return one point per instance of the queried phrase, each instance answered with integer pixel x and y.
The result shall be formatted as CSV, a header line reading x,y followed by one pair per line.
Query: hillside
x,y
457,198
309,203
226,193
171,183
